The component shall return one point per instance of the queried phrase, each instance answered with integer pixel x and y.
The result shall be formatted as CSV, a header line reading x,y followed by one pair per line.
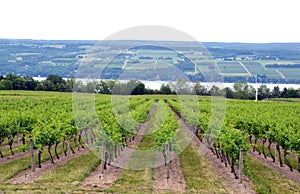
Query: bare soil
x,y
285,170
27,176
95,179
175,183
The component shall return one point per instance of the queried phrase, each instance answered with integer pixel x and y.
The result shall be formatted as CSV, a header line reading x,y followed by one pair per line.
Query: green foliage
x,y
6,85
48,118
166,127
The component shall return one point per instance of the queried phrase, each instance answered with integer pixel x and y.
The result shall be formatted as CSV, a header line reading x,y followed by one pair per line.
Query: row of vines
x,y
246,125
47,122
50,121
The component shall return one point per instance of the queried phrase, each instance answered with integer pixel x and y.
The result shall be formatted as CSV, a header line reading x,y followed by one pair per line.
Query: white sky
x,y
205,20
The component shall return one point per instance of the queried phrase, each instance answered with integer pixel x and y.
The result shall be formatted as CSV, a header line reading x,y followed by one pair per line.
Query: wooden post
x,y
92,135
241,165
103,157
69,146
18,135
115,150
119,150
276,155
86,136
32,155
167,159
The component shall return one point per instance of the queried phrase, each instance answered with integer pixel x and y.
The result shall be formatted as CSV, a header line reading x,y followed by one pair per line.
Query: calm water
x,y
158,84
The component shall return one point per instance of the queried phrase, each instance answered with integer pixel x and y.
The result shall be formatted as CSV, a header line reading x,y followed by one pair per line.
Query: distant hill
x,y
146,60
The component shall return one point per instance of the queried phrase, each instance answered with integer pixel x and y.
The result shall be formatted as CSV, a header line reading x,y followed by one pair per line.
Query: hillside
x,y
153,60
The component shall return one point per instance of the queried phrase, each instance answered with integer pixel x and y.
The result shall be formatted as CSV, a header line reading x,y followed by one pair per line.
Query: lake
x,y
157,84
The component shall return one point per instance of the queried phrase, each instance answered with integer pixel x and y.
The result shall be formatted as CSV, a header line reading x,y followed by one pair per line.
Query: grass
x,y
45,188
75,171
6,152
266,180
138,181
11,169
5,142
147,144
14,167
133,181
9,188
65,178
199,175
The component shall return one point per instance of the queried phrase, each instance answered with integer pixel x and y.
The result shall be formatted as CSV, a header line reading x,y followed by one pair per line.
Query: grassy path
x,y
63,179
17,148
199,175
131,179
266,180
10,169
72,172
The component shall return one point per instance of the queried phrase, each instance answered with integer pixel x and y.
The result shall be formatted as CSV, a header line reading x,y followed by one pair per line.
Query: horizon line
x,y
150,40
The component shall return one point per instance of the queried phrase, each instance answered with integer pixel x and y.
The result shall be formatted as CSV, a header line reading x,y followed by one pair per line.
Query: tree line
x,y
240,90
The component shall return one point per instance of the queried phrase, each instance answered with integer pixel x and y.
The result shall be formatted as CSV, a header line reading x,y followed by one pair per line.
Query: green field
x,y
50,118
231,68
290,73
254,67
